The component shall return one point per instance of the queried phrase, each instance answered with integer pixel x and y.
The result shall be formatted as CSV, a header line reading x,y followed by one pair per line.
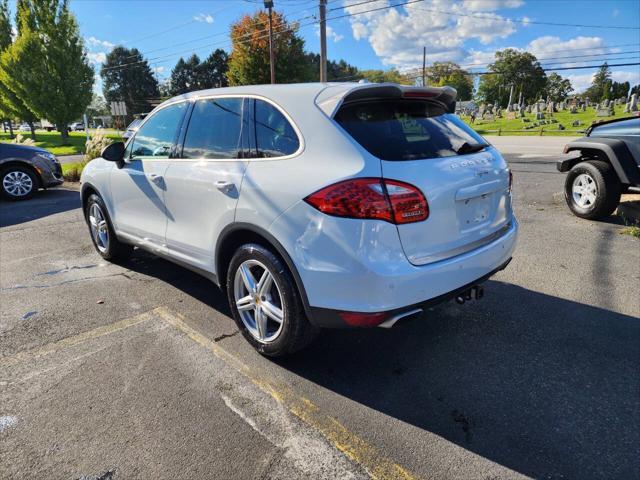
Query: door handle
x,y
224,186
157,179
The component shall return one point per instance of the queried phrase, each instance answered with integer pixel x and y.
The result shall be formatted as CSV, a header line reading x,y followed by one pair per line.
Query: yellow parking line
x,y
353,446
76,339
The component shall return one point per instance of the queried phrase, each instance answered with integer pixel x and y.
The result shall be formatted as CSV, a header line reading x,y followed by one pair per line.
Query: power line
x,y
551,69
526,22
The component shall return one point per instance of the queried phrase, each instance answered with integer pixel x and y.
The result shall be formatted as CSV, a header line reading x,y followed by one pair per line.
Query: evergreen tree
x,y
600,85
127,77
212,73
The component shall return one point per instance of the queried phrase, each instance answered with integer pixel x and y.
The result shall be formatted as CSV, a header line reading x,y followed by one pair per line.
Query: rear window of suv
x,y
405,129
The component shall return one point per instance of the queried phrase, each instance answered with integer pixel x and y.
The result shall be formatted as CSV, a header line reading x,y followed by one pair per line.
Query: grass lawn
x,y
53,142
564,118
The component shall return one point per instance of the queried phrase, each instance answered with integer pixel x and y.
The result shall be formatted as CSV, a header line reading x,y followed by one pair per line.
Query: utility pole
x,y
323,40
424,66
272,65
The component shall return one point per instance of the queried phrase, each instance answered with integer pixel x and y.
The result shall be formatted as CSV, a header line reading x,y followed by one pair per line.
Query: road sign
x,y
118,109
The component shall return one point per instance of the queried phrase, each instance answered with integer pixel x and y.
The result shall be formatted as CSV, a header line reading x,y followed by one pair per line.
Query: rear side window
x,y
274,135
215,129
156,137
405,129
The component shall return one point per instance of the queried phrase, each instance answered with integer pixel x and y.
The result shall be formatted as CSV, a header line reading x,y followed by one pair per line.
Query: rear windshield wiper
x,y
471,147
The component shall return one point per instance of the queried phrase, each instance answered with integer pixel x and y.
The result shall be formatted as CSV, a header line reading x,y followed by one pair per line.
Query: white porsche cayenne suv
x,y
312,205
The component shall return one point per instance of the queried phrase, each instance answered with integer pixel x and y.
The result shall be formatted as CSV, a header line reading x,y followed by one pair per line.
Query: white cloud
x,y
96,42
549,45
97,57
490,5
485,29
331,33
582,81
159,69
204,17
615,13
397,35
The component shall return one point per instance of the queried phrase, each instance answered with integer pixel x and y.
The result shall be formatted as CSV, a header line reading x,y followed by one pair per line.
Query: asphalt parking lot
x,y
137,371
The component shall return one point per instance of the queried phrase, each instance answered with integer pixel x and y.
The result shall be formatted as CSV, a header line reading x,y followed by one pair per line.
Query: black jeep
x,y
608,165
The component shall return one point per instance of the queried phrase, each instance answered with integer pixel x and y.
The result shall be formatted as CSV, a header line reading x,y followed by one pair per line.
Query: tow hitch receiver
x,y
474,293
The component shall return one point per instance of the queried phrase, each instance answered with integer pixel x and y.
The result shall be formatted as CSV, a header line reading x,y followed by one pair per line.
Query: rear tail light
x,y
372,198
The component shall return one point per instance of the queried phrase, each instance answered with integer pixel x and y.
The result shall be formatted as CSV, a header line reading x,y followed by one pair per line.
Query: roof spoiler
x,y
445,96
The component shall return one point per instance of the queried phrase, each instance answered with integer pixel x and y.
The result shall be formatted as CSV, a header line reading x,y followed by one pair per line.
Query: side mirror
x,y
114,152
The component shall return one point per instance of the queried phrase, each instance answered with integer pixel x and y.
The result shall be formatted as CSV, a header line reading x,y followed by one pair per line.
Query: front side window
x,y
215,129
156,137
274,135
406,129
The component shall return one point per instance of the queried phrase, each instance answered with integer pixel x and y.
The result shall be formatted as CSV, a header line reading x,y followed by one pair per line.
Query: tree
x,y
212,73
381,76
600,85
620,89
5,25
336,70
11,106
448,73
511,67
184,76
635,89
558,88
98,107
47,67
127,77
249,59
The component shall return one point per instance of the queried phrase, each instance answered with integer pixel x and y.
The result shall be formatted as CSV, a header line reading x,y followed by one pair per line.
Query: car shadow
x,y
43,204
545,386
542,385
181,278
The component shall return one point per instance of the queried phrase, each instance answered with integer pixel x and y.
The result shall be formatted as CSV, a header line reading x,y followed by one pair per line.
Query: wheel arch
x,y
24,164
612,151
86,191
237,234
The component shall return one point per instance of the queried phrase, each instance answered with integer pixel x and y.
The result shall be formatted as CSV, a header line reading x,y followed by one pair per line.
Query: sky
x,y
376,34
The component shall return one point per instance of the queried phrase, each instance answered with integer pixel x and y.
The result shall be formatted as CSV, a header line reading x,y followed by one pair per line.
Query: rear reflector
x,y
359,319
372,198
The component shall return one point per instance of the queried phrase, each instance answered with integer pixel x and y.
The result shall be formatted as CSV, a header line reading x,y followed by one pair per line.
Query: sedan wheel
x,y
98,227
258,300
17,183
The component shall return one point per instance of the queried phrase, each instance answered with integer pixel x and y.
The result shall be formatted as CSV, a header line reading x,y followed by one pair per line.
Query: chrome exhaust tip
x,y
393,320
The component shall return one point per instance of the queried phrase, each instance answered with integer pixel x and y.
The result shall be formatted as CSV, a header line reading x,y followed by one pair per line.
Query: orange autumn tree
x,y
249,60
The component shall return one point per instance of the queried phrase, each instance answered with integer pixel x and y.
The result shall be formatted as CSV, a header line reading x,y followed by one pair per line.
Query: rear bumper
x,y
327,318
353,265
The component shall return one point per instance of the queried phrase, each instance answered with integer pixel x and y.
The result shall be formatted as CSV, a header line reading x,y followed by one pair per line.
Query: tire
x,y
18,183
600,187
101,230
274,339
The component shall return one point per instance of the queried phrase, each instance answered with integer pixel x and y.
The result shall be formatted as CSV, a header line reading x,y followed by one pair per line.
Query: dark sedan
x,y
25,169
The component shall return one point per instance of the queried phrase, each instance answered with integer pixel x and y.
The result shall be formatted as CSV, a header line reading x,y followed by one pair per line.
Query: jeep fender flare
x,y
612,150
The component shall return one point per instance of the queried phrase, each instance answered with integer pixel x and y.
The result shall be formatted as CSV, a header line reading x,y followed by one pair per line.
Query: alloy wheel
x,y
17,183
98,227
258,300
584,191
